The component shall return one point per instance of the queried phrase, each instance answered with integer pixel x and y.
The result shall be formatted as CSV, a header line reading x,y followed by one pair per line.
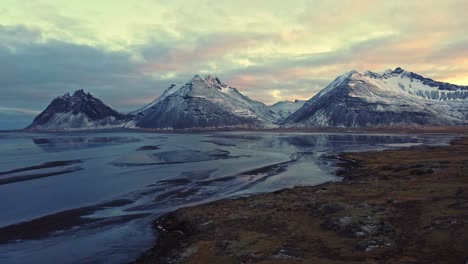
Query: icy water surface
x,y
91,197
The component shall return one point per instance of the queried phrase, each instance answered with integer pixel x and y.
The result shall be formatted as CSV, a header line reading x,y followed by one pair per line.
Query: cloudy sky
x,y
128,52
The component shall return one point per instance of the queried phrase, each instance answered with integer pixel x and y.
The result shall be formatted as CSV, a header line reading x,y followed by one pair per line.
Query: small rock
x,y
346,220
323,190
290,253
371,244
445,222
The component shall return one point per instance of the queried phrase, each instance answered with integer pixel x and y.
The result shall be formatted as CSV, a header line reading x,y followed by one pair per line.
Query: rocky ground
x,y
395,206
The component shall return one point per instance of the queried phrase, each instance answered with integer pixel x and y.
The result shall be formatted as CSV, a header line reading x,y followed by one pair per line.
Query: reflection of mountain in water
x,y
339,140
304,141
171,157
74,143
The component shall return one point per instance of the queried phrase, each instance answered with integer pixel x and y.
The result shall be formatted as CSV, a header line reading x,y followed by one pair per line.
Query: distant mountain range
x,y
393,98
286,108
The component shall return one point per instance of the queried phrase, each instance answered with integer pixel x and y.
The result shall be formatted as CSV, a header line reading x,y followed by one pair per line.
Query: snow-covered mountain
x,y
286,108
393,98
78,111
204,103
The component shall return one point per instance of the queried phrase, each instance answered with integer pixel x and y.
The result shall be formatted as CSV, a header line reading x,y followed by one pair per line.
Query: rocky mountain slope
x,y
204,103
78,111
394,98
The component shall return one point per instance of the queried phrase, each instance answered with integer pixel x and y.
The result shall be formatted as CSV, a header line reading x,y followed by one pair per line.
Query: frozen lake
x,y
91,197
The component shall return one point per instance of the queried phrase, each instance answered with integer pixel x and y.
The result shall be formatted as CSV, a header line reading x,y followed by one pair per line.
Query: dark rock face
x,y
76,111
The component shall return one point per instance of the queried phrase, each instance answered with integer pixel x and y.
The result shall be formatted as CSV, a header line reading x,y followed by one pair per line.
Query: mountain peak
x,y
79,111
80,93
65,96
209,79
213,80
350,73
399,70
197,78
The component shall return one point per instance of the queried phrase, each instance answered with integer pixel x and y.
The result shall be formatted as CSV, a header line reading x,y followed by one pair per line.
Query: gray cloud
x,y
11,117
10,36
33,71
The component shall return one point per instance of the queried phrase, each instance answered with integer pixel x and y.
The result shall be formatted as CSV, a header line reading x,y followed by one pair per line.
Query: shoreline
x,y
370,130
394,206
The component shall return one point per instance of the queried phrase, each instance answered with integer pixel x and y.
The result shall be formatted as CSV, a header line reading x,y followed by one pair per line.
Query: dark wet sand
x,y
6,179
180,157
396,206
63,221
34,176
219,143
45,165
148,147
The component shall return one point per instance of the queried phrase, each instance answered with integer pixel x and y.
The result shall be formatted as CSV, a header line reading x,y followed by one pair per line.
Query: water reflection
x,y
171,157
307,141
62,143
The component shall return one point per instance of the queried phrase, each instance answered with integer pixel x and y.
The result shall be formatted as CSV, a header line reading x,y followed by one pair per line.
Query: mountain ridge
x,y
355,99
396,97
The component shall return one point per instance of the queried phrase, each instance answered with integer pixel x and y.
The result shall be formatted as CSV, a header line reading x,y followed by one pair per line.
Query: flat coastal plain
x,y
395,206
